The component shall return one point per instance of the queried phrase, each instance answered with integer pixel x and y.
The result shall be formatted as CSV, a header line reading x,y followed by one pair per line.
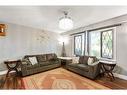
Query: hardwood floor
x,y
12,82
15,82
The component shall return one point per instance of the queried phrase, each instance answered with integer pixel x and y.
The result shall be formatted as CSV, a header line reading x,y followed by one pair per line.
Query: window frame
x,y
112,43
75,44
101,31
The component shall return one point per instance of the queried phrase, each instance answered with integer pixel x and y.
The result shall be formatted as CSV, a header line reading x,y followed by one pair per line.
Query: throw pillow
x,y
33,60
75,60
26,61
90,61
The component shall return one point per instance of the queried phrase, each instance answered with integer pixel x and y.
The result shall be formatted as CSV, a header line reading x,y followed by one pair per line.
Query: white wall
x,y
21,40
121,41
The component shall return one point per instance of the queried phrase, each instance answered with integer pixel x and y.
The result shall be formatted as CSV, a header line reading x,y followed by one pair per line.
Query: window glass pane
x,y
83,43
107,44
78,45
94,44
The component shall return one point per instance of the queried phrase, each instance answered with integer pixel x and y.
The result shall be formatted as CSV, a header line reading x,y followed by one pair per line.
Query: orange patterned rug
x,y
59,79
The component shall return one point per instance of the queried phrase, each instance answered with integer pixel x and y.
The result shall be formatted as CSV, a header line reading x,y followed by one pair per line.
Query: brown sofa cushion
x,y
83,59
32,66
41,58
45,63
51,56
83,67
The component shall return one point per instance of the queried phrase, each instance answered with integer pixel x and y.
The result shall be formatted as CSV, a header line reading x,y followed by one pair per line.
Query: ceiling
x,y
47,17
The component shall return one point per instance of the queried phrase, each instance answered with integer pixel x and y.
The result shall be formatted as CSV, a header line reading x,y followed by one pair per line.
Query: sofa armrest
x,y
59,61
68,61
93,69
24,65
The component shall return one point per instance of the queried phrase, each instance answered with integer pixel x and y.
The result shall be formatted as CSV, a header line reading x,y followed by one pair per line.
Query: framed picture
x,y
2,29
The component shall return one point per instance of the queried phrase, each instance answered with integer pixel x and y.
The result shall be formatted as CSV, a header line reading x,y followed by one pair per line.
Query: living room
x,y
63,47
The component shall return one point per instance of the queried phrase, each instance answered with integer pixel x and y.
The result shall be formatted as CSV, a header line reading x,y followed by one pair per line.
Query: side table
x,y
107,68
65,60
15,64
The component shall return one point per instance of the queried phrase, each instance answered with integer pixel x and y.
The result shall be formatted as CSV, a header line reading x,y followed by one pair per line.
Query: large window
x,y
107,44
94,44
79,43
101,43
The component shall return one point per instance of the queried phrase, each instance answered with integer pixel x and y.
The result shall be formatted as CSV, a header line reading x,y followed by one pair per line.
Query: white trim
x,y
4,72
120,76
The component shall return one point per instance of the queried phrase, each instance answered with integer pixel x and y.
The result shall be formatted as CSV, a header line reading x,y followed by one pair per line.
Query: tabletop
x,y
66,58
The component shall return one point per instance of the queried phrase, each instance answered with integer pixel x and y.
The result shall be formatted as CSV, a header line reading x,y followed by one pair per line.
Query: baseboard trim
x,y
120,76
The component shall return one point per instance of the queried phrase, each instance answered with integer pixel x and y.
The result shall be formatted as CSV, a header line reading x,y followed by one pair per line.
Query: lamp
x,y
63,54
65,22
63,40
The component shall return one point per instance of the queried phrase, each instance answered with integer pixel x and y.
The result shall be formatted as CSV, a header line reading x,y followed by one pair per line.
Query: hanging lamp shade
x,y
65,23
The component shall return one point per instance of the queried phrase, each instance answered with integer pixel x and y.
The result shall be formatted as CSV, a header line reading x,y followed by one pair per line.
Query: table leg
x,y
108,71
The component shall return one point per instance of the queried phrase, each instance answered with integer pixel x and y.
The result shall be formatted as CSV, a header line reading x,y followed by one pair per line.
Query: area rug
x,y
59,79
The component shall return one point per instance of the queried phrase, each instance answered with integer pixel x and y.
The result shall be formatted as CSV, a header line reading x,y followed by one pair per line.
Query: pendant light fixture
x,y
65,23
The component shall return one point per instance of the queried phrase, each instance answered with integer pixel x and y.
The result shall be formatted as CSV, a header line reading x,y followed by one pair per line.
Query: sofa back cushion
x,y
41,58
84,59
27,58
51,56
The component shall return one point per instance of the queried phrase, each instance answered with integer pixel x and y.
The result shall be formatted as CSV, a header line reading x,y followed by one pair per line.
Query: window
x,y
94,44
101,44
79,44
107,44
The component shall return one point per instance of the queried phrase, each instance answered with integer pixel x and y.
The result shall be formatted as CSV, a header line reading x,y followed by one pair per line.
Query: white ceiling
x,y
47,17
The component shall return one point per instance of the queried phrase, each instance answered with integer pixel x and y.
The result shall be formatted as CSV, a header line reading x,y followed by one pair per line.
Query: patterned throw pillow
x,y
75,60
90,61
33,60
